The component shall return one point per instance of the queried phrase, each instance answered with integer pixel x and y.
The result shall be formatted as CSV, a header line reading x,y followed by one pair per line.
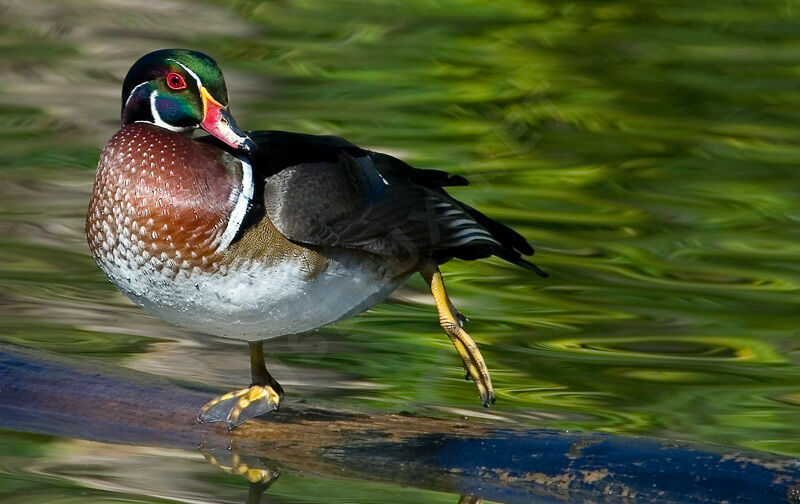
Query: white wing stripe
x,y
460,222
471,231
468,239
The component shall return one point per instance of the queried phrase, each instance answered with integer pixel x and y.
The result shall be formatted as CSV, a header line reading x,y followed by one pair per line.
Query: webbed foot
x,y
235,408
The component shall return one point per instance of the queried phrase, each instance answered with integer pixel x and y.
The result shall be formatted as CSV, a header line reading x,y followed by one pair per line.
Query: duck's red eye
x,y
175,81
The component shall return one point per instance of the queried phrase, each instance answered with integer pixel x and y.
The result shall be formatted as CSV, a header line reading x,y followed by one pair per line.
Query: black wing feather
x,y
325,191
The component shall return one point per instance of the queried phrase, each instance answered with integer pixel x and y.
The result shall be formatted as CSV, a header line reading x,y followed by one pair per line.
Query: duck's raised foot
x,y
235,408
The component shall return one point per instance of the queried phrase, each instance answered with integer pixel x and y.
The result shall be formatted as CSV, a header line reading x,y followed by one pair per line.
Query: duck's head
x,y
181,90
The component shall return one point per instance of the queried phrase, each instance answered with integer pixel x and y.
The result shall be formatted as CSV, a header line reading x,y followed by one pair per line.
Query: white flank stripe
x,y
241,207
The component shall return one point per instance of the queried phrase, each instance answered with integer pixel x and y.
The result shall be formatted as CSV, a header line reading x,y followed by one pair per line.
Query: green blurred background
x,y
647,149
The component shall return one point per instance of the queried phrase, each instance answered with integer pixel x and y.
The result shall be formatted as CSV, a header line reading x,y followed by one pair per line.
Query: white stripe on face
x,y
133,92
157,117
190,72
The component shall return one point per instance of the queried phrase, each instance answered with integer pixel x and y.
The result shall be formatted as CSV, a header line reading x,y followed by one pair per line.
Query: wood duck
x,y
268,233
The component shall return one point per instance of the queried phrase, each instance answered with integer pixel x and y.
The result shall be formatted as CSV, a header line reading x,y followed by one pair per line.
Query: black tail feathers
x,y
515,258
513,245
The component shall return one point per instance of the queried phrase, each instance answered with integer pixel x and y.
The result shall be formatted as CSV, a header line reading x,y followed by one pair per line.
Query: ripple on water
x,y
678,347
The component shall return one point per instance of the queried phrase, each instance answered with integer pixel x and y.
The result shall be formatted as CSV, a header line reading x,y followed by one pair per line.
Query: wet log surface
x,y
47,393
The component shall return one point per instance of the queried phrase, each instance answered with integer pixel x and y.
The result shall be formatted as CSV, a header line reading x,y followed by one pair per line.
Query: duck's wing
x,y
325,191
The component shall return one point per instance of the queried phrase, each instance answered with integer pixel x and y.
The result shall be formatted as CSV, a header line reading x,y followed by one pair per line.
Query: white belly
x,y
255,301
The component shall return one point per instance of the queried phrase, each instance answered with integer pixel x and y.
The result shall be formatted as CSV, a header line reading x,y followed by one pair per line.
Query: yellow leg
x,y
474,364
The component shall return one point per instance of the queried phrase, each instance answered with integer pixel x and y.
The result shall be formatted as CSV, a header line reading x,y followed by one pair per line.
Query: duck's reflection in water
x,y
259,474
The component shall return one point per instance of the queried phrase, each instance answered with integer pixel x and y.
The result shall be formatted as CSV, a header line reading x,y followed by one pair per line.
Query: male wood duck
x,y
268,233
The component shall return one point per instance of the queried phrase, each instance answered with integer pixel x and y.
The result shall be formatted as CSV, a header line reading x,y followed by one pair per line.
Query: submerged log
x,y
47,393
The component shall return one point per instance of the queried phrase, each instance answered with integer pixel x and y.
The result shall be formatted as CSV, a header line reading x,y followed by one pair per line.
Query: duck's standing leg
x,y
262,396
451,322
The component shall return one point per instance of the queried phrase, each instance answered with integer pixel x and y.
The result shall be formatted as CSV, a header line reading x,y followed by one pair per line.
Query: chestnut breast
x,y
162,198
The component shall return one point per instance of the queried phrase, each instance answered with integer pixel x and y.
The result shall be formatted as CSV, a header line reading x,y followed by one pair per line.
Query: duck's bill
x,y
218,121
